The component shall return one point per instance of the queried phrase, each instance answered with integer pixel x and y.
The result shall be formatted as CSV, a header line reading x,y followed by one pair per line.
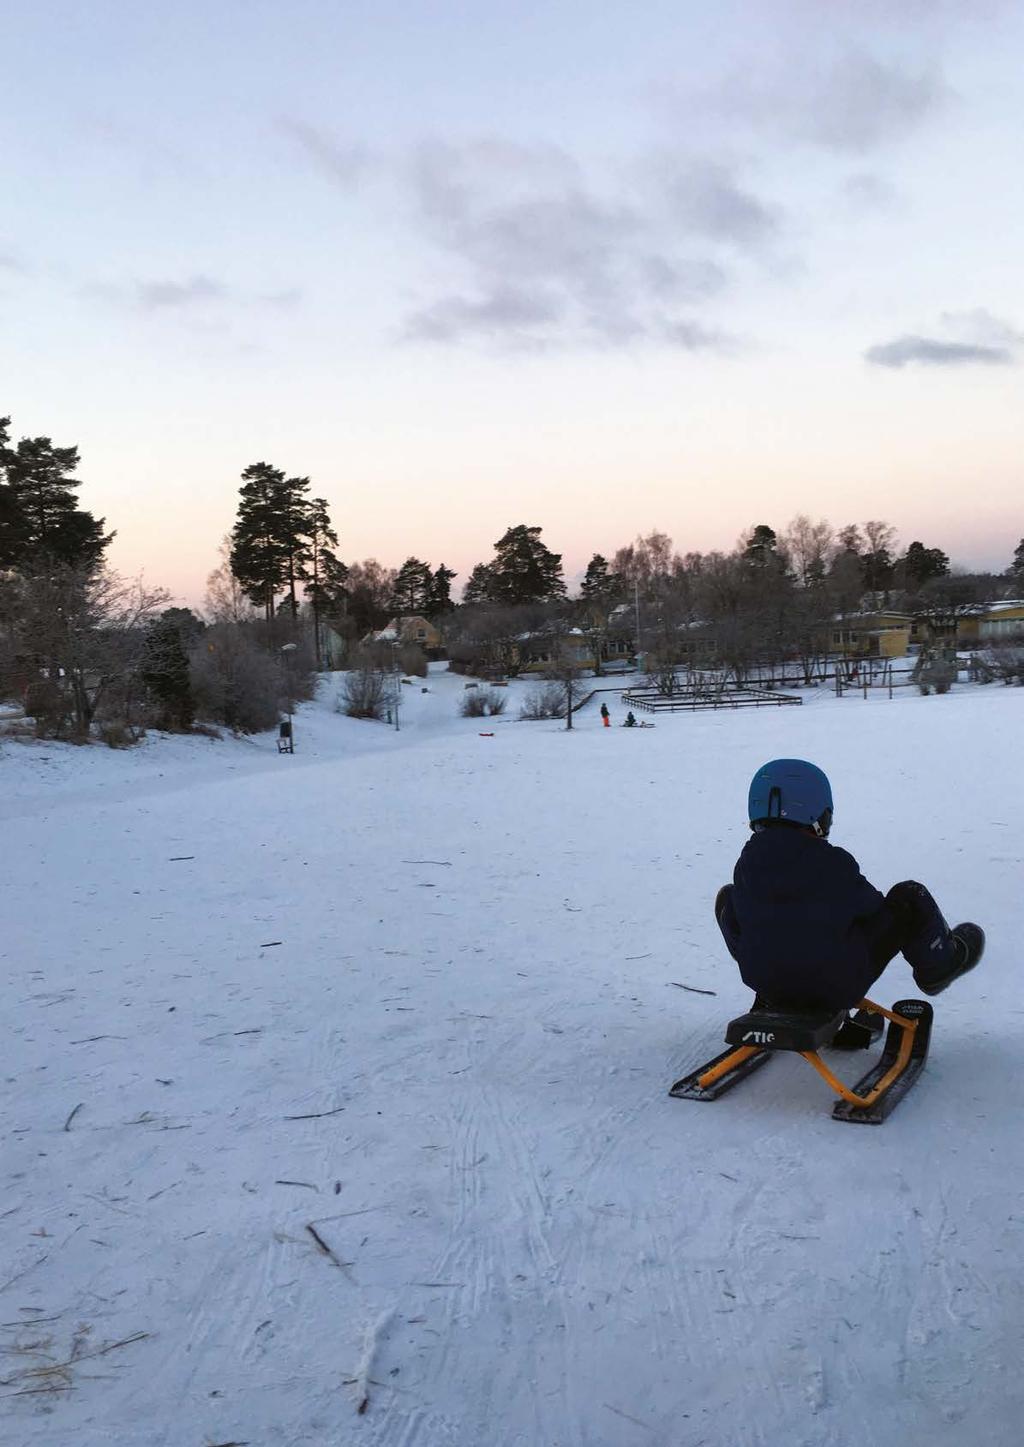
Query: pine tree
x,y
599,592
921,564
13,524
1017,566
762,549
259,558
439,594
595,580
293,521
164,666
39,513
600,585
412,587
478,586
326,577
877,559
524,570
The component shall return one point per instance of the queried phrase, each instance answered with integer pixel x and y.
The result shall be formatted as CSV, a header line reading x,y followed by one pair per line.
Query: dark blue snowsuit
x,y
807,929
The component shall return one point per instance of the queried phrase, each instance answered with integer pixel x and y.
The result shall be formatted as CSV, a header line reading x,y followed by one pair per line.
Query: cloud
x,y
866,102
982,328
854,103
868,192
505,312
534,252
342,164
196,291
199,297
707,201
682,280
933,352
972,338
284,300
691,336
541,257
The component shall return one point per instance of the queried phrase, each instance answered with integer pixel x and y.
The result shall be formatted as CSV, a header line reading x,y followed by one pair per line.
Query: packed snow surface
x,y
338,1082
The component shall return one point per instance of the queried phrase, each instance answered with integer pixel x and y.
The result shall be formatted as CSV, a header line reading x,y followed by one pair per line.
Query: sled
x,y
755,1037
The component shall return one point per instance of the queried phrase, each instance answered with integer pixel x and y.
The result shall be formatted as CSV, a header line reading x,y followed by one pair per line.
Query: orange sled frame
x,y
755,1037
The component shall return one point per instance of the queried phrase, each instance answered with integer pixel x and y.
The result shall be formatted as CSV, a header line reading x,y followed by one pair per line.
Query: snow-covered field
x,y
341,1078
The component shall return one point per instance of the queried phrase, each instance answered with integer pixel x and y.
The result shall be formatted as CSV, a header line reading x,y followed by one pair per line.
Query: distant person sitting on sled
x,y
805,927
630,722
605,718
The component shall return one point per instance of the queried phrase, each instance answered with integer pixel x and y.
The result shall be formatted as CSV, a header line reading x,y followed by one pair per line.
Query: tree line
x,y
91,653
88,650
776,596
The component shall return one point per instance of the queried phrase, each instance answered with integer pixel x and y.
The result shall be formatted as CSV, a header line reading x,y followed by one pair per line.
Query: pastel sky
x,y
601,268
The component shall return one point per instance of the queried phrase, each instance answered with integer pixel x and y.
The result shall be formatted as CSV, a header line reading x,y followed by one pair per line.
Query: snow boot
x,y
925,938
968,947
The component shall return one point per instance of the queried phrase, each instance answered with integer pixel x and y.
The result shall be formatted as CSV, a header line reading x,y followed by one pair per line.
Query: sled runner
x,y
755,1037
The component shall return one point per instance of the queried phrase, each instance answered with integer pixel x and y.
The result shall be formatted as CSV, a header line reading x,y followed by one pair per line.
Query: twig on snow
x,y
78,1107
26,1271
635,1420
692,988
639,957
316,1114
113,1347
308,1184
323,1247
446,863
35,1391
270,944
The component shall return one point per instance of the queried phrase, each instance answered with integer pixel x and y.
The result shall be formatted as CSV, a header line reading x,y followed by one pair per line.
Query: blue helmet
x,y
791,791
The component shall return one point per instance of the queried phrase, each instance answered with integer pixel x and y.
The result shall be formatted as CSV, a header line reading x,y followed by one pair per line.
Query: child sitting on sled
x,y
805,927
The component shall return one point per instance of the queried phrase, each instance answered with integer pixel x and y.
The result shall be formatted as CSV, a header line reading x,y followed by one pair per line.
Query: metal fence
x,y
699,698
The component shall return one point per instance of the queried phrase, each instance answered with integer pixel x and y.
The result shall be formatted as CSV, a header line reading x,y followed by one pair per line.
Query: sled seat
x,y
753,1039
800,1030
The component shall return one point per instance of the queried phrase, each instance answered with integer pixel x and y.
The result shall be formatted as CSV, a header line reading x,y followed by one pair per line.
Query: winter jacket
x,y
800,919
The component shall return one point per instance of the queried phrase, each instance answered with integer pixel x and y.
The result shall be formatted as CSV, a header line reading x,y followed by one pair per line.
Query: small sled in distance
x,y
753,1039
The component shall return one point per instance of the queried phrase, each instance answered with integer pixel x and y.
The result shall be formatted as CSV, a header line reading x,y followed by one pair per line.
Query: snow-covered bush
x,y
546,702
1004,661
366,692
934,673
482,703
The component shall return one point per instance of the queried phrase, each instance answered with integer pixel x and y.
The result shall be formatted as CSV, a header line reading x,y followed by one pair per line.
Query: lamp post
x,y
636,606
398,681
289,648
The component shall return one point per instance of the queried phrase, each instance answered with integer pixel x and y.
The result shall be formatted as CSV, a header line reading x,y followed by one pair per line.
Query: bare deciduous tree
x,y
225,602
809,547
82,631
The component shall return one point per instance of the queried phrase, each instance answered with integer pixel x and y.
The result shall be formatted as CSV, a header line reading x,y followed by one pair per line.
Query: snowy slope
x,y
415,990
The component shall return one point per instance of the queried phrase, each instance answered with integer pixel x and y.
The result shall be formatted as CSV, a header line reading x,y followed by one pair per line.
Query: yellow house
x,y
990,622
882,634
409,629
